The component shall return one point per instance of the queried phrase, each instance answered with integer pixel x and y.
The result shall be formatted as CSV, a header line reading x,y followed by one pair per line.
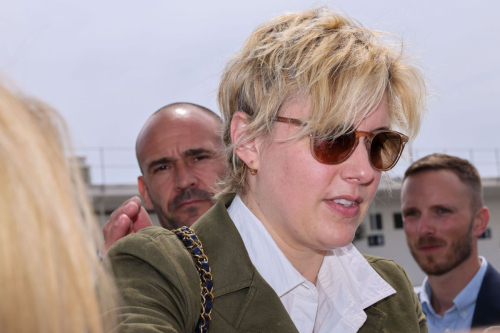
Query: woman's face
x,y
307,204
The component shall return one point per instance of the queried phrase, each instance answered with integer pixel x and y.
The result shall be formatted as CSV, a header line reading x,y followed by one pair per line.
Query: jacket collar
x,y
218,235
234,275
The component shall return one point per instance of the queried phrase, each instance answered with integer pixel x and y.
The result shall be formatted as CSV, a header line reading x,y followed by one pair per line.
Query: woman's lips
x,y
346,211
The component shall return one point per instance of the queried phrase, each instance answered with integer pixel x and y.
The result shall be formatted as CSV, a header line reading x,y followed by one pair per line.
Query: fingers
x,y
120,222
114,230
129,208
142,221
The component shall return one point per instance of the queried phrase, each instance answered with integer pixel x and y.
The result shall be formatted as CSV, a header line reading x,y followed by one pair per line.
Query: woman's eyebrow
x,y
381,128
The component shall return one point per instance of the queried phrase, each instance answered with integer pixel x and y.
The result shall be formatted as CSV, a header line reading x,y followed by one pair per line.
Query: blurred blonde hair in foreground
x,y
49,267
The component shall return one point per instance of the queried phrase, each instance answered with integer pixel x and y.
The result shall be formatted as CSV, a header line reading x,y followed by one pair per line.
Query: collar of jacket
x,y
242,297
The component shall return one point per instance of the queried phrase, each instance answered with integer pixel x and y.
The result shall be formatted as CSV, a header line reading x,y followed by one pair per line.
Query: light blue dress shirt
x,y
459,317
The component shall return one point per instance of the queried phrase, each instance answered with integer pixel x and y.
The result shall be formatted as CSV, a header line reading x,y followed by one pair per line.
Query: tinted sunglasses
x,y
384,146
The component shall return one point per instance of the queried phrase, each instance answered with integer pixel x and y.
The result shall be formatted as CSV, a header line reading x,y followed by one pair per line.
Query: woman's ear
x,y
247,151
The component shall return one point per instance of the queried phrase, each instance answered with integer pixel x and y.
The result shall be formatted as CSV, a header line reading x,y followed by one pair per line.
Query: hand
x,y
127,219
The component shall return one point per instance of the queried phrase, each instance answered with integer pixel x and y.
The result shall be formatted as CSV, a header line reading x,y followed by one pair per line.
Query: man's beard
x,y
459,251
170,221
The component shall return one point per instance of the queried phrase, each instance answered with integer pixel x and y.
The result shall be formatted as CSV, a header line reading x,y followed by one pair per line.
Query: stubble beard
x,y
191,214
169,221
459,251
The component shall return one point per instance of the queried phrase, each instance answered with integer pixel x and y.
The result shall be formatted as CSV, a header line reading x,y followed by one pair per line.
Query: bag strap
x,y
194,246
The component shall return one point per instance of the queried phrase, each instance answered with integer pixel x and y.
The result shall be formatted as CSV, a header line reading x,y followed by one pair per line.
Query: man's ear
x,y
248,151
481,219
143,190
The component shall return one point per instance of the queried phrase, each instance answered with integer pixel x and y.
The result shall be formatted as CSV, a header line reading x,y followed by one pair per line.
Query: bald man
x,y
180,154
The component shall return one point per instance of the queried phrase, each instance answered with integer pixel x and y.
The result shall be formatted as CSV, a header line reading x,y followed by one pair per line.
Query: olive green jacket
x,y
161,288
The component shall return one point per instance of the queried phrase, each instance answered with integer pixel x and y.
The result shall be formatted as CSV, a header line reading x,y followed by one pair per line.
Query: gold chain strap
x,y
194,246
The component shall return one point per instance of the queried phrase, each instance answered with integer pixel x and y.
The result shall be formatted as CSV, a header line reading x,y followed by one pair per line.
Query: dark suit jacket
x,y
487,311
161,289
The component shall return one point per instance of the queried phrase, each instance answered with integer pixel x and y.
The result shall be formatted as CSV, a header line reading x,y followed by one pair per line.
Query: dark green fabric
x,y
161,290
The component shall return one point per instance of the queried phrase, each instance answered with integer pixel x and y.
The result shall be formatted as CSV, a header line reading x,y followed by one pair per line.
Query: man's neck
x,y
447,286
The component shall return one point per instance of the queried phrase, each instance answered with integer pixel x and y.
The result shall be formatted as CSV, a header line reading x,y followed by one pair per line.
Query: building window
x,y
398,221
486,234
376,221
376,240
359,233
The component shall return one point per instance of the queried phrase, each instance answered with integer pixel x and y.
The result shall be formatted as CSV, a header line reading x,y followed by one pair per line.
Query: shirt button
x,y
447,330
464,313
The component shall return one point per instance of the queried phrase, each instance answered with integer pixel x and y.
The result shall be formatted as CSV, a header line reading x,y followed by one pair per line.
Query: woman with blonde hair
x,y
309,106
49,237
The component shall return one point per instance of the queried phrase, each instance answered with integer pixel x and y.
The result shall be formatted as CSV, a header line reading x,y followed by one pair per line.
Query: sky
x,y
107,65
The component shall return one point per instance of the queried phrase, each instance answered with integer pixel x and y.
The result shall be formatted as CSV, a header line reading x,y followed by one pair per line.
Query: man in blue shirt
x,y
443,212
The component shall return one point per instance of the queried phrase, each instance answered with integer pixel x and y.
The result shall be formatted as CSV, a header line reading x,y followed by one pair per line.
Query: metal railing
x,y
118,165
109,165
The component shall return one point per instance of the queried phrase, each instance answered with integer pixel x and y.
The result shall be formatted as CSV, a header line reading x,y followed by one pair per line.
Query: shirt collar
x,y
345,275
265,255
363,284
468,295
425,294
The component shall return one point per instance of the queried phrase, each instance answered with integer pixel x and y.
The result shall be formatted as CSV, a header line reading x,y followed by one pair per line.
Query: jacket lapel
x,y
242,297
487,311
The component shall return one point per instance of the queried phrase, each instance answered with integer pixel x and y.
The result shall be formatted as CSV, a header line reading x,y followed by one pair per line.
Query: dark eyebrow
x,y
196,151
384,128
445,206
160,161
186,153
405,209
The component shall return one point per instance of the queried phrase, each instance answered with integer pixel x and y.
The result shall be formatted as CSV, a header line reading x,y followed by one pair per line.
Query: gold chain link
x,y
193,244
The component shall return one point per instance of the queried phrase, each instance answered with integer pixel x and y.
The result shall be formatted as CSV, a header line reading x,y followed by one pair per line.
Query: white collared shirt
x,y
346,283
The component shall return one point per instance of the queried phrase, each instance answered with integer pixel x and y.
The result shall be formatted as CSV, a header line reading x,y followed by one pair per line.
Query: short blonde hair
x,y
49,236
344,68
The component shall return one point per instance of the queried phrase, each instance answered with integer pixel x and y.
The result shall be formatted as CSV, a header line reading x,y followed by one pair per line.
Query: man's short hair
x,y
318,54
465,171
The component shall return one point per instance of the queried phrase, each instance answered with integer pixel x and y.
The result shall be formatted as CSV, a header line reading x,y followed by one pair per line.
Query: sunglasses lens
x,y
334,151
384,152
385,149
